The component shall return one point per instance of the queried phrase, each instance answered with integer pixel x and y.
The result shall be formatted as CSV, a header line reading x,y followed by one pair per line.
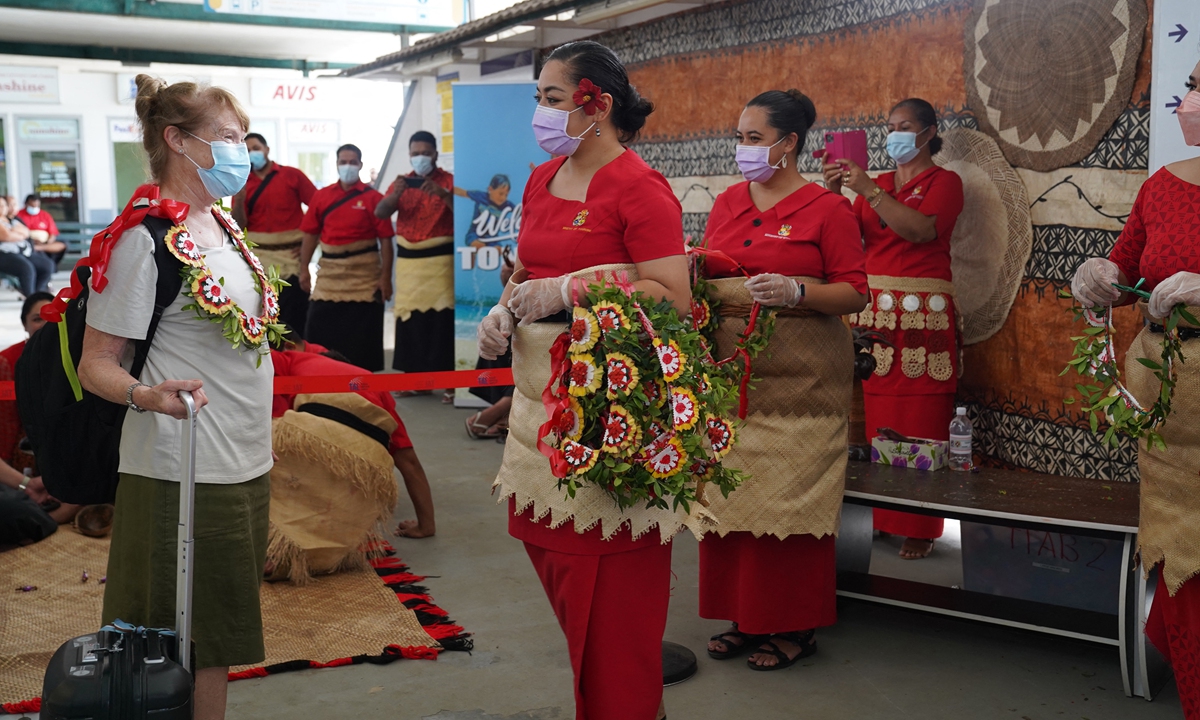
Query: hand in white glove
x,y
1092,285
533,300
494,331
1182,287
774,290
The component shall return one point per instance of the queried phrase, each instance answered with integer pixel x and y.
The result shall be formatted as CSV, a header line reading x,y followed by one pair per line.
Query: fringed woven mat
x,y
337,620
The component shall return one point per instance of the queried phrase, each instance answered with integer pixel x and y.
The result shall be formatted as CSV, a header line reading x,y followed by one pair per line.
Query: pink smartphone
x,y
847,145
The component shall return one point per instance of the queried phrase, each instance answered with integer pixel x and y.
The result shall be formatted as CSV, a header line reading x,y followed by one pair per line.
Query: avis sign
x,y
277,92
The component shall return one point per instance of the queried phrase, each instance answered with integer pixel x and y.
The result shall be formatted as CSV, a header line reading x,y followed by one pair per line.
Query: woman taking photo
x,y
770,567
1159,244
194,137
907,220
595,207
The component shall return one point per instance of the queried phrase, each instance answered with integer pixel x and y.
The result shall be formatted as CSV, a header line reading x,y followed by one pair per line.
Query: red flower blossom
x,y
588,97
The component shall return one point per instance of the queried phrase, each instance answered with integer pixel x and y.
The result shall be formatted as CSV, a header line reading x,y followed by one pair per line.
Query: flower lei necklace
x,y
213,303
1095,359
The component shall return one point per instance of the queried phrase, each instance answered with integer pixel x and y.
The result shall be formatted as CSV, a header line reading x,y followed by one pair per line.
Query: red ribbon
x,y
556,399
145,201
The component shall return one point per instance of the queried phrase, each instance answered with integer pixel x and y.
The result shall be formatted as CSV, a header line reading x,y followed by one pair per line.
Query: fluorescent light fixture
x,y
431,63
610,9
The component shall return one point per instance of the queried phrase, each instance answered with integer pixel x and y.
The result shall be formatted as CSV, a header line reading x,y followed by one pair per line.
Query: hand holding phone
x,y
414,182
847,145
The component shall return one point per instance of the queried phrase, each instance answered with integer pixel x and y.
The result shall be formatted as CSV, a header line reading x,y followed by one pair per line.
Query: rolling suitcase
x,y
124,672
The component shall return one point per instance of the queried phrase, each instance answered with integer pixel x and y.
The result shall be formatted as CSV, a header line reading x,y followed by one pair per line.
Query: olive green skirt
x,y
231,546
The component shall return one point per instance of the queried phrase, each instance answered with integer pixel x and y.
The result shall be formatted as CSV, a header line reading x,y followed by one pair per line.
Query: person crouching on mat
x,y
770,567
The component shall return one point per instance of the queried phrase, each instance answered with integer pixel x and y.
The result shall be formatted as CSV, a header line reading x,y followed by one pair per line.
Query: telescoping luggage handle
x,y
187,517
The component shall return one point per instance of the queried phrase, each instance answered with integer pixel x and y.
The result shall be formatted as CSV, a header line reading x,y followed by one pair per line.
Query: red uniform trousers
x,y
767,585
1174,628
925,416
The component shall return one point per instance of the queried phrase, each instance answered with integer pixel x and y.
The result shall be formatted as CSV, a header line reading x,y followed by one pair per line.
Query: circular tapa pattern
x,y
1047,78
993,237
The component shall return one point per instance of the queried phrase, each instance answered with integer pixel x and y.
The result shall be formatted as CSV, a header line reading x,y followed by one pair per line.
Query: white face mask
x,y
421,164
33,210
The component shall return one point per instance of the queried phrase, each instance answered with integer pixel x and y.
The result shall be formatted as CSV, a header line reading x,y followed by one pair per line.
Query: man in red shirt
x,y
345,310
43,233
270,208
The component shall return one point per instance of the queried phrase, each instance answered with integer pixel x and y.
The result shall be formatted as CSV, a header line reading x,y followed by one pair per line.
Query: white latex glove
x,y
774,290
1092,285
494,331
533,300
1182,287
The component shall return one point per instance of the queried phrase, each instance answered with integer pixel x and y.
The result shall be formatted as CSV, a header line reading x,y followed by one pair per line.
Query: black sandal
x,y
732,650
806,641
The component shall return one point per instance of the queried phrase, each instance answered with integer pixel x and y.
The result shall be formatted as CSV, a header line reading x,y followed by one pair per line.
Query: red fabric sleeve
x,y
943,198
653,219
53,226
716,216
400,439
312,219
304,187
384,226
1127,253
841,244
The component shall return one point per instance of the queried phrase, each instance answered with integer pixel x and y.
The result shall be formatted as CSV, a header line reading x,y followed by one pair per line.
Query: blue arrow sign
x,y
1179,34
1175,104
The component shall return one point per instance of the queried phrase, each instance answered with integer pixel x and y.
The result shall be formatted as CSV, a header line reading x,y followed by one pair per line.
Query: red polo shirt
x,y
419,215
351,221
811,232
936,191
630,216
41,221
277,207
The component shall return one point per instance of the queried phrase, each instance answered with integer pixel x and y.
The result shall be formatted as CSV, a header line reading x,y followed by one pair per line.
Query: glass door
x,y
317,162
55,178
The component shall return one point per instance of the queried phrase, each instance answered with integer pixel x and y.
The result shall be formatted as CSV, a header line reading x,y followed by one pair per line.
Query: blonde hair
x,y
185,105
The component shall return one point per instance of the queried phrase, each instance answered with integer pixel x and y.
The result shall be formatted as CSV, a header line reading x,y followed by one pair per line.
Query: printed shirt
x,y
349,222
41,221
1159,238
630,216
278,209
309,363
936,191
811,232
421,216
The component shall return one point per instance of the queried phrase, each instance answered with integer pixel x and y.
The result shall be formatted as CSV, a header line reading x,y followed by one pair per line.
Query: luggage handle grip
x,y
187,517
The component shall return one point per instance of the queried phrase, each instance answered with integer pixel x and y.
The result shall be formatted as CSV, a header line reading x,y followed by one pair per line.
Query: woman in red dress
x,y
597,207
1159,245
770,567
908,217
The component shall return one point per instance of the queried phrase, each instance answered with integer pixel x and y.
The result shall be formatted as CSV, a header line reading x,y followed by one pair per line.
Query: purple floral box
x,y
921,454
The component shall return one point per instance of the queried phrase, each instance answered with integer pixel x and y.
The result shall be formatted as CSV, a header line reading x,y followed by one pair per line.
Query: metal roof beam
x,y
196,13
145,56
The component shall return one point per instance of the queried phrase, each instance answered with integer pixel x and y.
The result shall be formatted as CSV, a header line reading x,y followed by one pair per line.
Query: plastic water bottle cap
x,y
962,411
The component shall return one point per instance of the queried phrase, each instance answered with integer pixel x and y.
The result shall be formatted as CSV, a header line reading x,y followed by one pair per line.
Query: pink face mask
x,y
1189,118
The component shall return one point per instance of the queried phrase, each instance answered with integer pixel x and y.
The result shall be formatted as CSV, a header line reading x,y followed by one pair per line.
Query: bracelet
x,y
875,197
24,483
129,397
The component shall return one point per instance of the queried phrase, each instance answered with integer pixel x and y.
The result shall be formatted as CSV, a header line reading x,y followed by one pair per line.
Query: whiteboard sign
x,y
1176,52
397,12
20,84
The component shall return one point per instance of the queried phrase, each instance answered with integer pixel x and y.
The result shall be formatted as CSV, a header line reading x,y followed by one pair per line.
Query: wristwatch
x,y
129,397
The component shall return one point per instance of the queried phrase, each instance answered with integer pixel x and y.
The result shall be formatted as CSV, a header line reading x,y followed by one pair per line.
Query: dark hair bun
x,y
591,60
806,106
788,112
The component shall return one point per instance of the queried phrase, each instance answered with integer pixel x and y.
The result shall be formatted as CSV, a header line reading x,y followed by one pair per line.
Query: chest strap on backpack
x,y
68,366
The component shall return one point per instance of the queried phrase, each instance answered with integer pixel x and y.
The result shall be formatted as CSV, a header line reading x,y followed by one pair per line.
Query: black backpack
x,y
75,435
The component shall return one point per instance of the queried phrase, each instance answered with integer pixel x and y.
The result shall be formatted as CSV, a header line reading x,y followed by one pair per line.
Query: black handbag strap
x,y
341,201
259,191
170,283
347,418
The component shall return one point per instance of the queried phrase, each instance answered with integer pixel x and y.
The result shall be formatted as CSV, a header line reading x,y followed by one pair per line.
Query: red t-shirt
x,y
630,216
936,191
1160,237
349,222
299,363
277,208
41,221
11,430
419,215
811,232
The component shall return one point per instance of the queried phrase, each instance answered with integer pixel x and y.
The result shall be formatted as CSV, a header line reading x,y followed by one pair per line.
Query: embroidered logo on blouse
x,y
580,218
785,230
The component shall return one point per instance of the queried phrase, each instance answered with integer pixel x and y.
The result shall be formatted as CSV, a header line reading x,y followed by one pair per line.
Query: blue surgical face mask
x,y
33,210
902,146
349,173
422,164
257,160
231,167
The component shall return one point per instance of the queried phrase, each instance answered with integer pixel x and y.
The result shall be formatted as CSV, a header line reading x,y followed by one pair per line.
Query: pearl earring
x,y
597,132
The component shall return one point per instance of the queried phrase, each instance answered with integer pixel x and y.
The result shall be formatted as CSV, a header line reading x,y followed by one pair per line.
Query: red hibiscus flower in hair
x,y
588,97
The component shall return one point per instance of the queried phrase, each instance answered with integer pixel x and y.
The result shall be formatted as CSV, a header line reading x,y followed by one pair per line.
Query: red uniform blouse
x,y
630,216
936,191
11,430
277,207
291,363
349,222
41,221
419,215
1160,237
811,232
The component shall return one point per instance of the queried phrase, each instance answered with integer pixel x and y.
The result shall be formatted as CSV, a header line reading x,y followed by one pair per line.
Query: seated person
x,y
18,259
43,231
298,362
27,512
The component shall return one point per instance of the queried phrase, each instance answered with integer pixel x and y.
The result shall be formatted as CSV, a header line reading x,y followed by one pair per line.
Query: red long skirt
x,y
767,585
613,610
926,416
1174,628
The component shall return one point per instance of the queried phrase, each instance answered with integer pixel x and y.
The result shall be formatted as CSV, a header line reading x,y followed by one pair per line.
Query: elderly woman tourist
x,y
194,138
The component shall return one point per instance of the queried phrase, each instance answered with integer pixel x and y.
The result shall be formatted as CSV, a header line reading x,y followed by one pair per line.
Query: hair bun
x,y
806,105
148,85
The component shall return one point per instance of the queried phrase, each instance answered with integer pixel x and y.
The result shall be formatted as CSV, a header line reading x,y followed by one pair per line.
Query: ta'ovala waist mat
x,y
424,276
349,272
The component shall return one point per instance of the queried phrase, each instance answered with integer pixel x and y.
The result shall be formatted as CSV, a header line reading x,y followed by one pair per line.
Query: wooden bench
x,y
1027,500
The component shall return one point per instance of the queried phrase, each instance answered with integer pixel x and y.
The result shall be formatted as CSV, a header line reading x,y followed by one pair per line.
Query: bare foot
x,y
412,529
728,641
916,548
786,643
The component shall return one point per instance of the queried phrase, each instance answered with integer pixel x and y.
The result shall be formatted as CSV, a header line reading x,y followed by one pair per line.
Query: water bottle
x,y
960,441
